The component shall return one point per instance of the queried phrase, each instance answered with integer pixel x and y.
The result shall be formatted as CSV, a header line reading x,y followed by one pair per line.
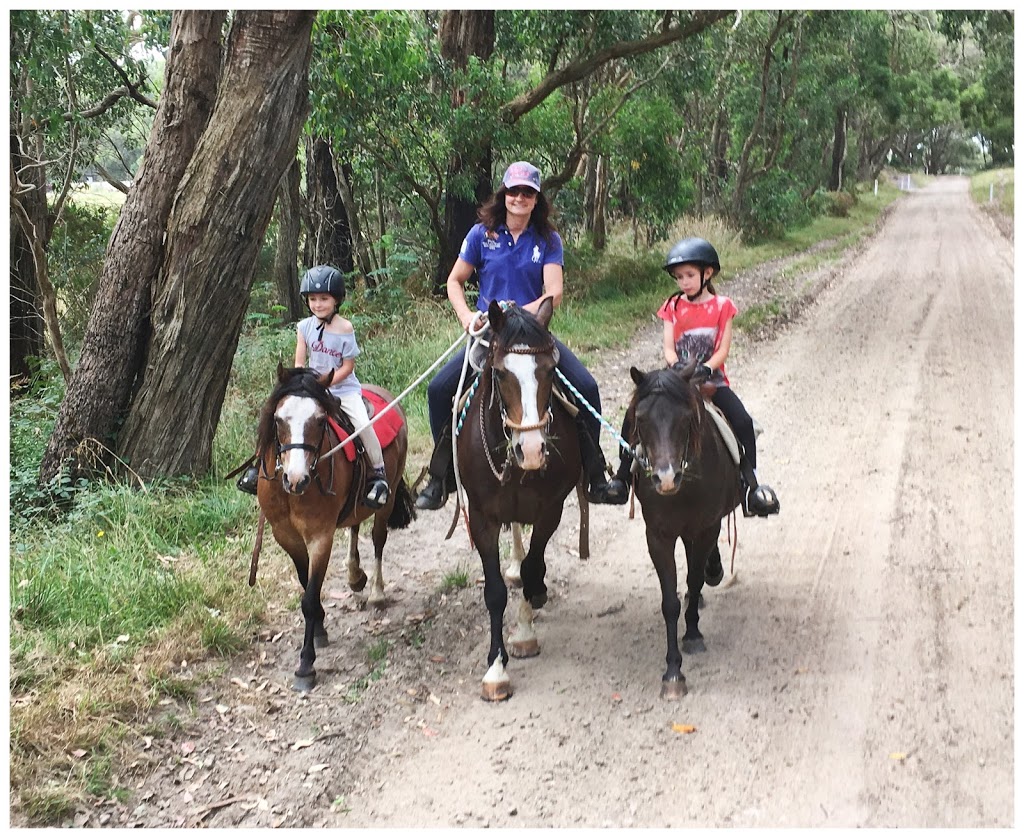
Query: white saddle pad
x,y
725,429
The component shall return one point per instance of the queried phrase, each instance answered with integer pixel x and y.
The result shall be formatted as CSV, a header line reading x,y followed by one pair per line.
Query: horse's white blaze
x,y
296,411
524,367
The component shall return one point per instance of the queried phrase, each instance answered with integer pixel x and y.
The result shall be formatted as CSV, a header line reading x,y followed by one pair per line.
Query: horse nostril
x,y
677,480
518,451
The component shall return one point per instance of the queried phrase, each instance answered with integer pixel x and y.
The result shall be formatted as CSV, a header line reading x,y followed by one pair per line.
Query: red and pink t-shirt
x,y
697,328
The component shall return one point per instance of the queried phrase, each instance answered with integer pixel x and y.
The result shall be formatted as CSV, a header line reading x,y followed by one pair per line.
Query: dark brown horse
x,y
306,495
688,483
518,457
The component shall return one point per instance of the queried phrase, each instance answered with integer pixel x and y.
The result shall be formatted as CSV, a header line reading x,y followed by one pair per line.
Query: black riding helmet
x,y
694,251
322,279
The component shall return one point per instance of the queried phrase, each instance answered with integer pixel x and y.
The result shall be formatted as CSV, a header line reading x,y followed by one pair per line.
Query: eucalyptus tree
x,y
428,116
987,81
72,79
113,349
208,245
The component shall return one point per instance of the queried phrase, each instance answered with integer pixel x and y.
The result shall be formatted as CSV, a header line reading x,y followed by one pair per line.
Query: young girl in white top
x,y
326,341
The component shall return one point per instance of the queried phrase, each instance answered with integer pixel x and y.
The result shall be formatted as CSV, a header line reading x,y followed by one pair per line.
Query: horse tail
x,y
403,512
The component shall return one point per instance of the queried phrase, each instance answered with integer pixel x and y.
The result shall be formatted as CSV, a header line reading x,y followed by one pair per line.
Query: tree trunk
x,y
26,317
218,220
463,34
329,239
286,257
835,181
596,200
343,179
112,355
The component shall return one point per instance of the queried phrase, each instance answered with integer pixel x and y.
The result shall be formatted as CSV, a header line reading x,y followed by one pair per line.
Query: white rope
x,y
399,397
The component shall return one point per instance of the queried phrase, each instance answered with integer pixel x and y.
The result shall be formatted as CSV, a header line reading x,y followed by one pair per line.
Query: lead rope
x,y
397,398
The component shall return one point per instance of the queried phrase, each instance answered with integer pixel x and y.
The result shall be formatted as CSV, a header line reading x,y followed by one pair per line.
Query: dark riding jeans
x,y
442,387
743,426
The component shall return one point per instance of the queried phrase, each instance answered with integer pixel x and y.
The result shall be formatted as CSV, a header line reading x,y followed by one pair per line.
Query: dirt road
x,y
859,670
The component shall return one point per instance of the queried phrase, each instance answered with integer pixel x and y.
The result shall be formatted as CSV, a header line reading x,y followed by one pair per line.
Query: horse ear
x,y
325,379
637,376
544,312
496,315
280,372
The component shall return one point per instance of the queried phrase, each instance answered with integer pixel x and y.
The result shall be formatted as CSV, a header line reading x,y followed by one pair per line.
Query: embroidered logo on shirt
x,y
536,253
491,245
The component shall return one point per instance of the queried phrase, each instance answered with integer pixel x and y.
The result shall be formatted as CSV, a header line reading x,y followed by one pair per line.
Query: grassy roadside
x,y
133,597
994,190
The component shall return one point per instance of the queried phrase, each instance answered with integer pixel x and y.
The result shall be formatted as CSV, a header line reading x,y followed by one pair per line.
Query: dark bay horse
x,y
690,483
306,495
518,457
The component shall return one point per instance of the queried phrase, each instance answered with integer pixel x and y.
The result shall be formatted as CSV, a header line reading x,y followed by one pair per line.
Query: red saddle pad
x,y
387,428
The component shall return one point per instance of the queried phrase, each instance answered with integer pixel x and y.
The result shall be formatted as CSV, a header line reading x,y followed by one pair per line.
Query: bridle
x,y
315,450
640,448
507,424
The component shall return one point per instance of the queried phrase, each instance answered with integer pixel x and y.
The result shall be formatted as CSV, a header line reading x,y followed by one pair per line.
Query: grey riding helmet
x,y
693,250
322,279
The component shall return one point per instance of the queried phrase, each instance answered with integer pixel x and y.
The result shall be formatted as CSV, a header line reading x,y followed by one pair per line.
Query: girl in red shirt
x,y
698,325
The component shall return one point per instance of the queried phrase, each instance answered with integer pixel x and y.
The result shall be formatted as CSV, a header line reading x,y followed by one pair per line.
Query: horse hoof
x,y
673,690
694,645
513,580
538,600
321,640
524,648
495,690
714,581
359,583
377,602
304,683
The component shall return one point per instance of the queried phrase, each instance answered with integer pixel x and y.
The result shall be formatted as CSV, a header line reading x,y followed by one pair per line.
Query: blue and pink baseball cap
x,y
522,174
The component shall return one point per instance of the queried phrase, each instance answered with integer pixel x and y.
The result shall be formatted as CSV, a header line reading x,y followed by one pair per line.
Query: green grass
x,y
112,588
455,580
996,184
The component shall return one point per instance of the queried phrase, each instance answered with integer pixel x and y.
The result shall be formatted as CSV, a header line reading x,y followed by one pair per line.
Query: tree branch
x,y
583,67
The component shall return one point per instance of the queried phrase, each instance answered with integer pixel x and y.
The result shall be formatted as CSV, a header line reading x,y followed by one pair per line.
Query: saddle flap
x,y
725,429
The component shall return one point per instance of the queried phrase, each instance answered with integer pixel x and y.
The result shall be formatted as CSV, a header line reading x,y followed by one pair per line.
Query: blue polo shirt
x,y
510,270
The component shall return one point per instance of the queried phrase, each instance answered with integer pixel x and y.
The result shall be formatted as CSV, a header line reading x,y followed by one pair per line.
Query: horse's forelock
x,y
522,328
667,382
298,381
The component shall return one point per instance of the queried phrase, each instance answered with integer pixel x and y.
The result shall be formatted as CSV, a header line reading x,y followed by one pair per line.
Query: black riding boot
x,y
442,474
623,478
595,468
247,482
758,498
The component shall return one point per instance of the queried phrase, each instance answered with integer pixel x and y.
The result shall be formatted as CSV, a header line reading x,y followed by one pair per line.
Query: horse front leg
x,y
376,598
662,550
313,612
356,576
496,685
698,554
524,643
513,573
